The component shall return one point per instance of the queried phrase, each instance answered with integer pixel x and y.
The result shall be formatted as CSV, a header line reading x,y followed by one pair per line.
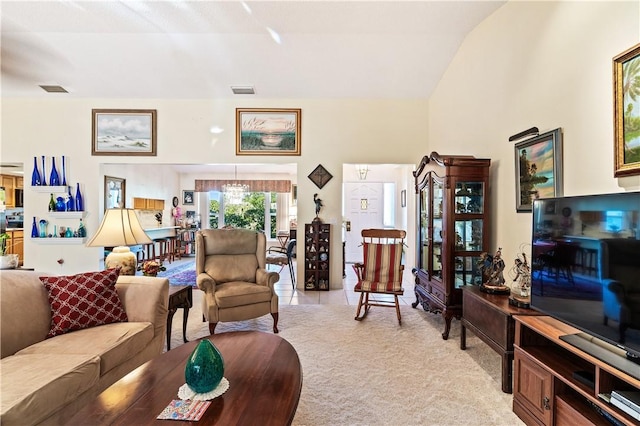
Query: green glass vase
x,y
205,367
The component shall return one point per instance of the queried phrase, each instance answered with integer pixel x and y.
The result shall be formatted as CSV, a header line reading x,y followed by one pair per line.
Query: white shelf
x,y
67,215
59,241
50,189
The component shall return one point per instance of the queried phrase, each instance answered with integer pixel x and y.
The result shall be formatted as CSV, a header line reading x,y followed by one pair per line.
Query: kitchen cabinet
x,y
9,184
147,204
15,244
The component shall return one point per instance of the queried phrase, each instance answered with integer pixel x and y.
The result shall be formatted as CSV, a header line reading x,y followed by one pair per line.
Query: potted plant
x,y
7,261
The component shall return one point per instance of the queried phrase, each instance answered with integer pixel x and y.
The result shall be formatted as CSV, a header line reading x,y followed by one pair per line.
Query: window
x,y
256,211
389,211
613,220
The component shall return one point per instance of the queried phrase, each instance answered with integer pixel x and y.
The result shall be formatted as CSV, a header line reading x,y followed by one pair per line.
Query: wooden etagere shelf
x,y
317,243
549,386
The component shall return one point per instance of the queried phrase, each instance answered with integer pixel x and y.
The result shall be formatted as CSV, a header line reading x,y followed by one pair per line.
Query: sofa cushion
x,y
25,314
232,294
83,300
35,386
113,343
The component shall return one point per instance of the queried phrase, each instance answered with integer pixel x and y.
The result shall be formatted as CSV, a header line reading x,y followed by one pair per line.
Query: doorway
x,y
364,209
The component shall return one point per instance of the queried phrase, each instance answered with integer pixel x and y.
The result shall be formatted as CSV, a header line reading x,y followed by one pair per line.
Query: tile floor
x,y
344,296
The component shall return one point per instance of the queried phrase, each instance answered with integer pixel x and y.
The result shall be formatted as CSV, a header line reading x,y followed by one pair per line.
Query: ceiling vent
x,y
54,89
243,90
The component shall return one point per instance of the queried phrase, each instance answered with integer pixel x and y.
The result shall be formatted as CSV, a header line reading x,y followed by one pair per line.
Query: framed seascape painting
x,y
263,131
538,163
123,132
626,89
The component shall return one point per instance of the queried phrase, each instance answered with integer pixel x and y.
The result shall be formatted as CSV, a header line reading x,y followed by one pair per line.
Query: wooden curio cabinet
x,y
452,230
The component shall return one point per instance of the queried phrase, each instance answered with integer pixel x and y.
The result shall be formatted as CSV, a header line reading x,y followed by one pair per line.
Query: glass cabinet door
x,y
431,198
425,221
438,194
469,231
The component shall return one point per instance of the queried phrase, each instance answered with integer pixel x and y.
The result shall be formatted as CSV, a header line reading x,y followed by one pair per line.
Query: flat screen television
x,y
586,271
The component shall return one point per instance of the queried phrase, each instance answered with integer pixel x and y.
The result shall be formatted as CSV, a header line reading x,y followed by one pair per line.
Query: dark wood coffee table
x,y
265,380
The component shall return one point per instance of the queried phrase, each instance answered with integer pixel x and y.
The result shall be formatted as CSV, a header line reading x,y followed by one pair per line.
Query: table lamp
x,y
120,228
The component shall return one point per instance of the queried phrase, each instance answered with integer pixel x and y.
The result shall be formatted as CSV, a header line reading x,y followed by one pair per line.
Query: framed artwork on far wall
x,y
188,197
538,163
123,132
114,192
264,131
626,90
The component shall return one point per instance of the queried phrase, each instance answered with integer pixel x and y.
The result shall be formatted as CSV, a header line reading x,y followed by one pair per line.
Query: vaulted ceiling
x,y
199,49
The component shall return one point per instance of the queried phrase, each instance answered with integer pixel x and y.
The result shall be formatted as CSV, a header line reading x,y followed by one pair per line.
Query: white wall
x,y
333,132
544,64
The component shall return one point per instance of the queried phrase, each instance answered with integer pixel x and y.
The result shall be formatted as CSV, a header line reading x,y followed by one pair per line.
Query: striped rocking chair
x,y
381,271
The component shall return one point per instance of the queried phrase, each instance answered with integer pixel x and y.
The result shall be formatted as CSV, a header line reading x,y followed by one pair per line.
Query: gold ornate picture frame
x,y
264,131
626,89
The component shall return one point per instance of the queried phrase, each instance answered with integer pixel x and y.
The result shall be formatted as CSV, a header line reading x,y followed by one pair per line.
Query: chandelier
x,y
235,192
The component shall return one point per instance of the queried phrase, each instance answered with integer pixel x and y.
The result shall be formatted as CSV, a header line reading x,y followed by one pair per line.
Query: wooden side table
x,y
179,297
490,317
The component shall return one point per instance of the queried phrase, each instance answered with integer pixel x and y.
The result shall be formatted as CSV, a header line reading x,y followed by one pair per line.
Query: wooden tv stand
x,y
545,390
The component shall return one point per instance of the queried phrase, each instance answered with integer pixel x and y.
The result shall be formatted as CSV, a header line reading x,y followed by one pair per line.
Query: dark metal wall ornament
x,y
320,176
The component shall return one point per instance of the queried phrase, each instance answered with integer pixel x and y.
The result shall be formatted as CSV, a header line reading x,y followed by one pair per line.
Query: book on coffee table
x,y
180,409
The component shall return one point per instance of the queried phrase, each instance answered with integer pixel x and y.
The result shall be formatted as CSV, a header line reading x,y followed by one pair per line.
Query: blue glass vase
x,y
54,179
205,367
34,229
35,175
44,174
60,204
43,228
71,204
64,173
79,201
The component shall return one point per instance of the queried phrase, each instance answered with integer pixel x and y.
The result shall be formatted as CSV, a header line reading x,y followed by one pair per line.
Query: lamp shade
x,y
119,229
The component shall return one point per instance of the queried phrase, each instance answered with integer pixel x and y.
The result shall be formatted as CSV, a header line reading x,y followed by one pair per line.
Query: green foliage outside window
x,y
248,215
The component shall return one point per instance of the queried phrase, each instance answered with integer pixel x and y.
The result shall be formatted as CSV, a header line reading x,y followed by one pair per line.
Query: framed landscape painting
x,y
123,132
538,163
626,88
263,131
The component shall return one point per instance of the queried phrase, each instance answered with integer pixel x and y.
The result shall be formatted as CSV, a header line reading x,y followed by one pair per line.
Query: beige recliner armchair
x,y
231,271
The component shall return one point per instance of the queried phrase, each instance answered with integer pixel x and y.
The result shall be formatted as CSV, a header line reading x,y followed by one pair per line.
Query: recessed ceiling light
x,y
243,90
53,89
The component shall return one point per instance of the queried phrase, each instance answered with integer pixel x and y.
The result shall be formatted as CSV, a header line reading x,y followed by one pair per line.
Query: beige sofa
x,y
45,381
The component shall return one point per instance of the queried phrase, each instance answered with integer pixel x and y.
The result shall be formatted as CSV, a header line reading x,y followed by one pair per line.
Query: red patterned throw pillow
x,y
83,301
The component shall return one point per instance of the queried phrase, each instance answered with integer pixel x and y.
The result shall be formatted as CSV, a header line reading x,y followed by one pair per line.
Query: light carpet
x,y
376,372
